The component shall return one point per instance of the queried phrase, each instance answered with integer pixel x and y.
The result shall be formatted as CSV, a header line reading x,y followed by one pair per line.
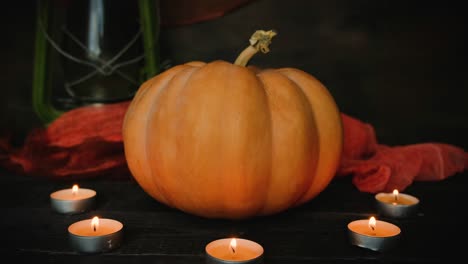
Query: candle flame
x,y
75,189
395,194
372,223
95,223
233,245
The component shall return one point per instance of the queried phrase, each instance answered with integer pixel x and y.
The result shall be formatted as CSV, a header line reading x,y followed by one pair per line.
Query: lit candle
x,y
233,250
396,205
95,235
373,234
73,201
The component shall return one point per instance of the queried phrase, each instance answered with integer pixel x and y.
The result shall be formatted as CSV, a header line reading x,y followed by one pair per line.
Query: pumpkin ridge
x,y
161,194
145,86
142,175
198,64
261,210
255,208
283,93
227,198
159,178
188,198
283,72
330,130
309,180
177,98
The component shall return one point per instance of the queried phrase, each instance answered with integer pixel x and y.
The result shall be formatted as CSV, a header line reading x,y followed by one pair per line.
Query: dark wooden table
x,y
153,233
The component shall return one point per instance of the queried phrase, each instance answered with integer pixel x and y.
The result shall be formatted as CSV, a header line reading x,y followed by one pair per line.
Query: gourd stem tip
x,y
259,41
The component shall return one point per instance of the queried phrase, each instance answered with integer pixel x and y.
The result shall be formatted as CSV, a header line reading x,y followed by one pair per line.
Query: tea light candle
x,y
373,234
95,235
396,205
233,250
73,201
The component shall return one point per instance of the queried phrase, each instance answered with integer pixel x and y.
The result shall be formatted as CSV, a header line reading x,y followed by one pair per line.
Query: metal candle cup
x,y
396,205
233,251
384,236
88,237
73,201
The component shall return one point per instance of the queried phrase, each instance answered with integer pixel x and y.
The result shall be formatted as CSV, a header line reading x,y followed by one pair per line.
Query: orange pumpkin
x,y
221,140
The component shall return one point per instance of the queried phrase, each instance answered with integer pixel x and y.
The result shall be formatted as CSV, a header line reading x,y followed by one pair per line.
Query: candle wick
x,y
94,227
233,249
373,230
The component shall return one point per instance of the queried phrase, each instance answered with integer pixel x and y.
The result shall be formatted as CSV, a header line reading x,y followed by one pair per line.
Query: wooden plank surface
x,y
313,233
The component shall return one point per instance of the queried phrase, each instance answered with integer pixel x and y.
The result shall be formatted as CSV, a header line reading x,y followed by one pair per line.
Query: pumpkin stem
x,y
259,41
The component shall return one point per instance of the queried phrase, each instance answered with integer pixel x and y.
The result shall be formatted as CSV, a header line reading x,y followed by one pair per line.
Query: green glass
x,y
92,52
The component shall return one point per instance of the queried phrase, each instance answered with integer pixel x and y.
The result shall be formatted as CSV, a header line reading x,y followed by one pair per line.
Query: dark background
x,y
398,65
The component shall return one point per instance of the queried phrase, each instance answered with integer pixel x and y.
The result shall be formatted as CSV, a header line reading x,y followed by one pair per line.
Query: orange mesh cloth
x,y
87,142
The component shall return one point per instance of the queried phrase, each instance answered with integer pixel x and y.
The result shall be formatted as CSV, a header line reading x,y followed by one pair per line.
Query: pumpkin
x,y
226,140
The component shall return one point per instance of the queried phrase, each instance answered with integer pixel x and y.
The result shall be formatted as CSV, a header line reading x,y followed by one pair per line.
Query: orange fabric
x,y
72,149
377,167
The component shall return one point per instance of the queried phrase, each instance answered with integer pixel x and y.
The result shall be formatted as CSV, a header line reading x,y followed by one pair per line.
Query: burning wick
x,y
75,189
395,195
372,224
95,223
233,245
